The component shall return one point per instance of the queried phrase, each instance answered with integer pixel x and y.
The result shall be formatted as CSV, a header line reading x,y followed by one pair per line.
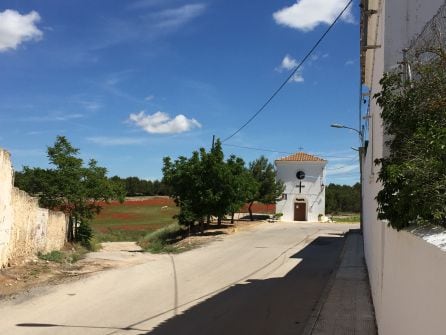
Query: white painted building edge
x,y
407,268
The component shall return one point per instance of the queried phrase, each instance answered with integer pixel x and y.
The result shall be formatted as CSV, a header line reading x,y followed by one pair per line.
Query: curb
x,y
314,317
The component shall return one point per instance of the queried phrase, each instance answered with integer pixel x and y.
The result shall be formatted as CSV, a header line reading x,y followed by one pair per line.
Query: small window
x,y
284,196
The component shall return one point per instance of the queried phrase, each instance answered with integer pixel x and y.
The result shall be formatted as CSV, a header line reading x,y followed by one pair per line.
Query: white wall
x,y
25,228
407,274
313,193
6,211
409,292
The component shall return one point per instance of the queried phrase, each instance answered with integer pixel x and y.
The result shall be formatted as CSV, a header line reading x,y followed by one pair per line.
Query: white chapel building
x,y
304,178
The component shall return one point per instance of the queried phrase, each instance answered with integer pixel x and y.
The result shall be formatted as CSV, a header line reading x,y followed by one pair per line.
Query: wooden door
x,y
300,209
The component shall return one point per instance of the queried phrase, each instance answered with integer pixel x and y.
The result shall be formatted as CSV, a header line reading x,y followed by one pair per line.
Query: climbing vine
x,y
413,175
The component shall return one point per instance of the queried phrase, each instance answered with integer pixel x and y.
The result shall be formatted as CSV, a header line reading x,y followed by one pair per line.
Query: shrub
x,y
413,175
161,240
53,256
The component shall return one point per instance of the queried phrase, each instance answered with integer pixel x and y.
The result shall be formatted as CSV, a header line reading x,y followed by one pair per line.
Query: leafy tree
x,y
184,175
342,198
242,185
268,190
414,174
135,186
71,187
205,184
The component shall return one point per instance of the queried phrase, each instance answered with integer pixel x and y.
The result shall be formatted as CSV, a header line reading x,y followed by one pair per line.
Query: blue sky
x,y
129,82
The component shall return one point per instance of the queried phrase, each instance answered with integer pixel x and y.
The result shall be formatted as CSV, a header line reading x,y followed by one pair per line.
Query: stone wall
x,y
25,228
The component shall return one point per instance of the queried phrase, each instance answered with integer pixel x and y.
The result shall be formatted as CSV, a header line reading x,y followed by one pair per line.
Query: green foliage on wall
x,y
414,174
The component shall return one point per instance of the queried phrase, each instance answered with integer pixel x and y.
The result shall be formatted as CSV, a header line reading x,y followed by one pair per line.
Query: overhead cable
x,y
291,74
285,152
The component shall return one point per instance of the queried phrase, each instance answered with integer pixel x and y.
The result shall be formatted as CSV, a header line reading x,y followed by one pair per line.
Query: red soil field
x,y
156,201
260,208
165,201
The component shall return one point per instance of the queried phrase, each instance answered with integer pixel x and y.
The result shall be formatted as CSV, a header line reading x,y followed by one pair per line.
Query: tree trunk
x,y
70,229
208,219
232,218
219,221
250,211
201,222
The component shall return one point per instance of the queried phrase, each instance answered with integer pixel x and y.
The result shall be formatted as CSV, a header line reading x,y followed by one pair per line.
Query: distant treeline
x,y
342,198
135,186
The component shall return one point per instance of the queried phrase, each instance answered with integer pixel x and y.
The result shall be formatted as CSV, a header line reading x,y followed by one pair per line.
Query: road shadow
x,y
263,307
271,306
255,217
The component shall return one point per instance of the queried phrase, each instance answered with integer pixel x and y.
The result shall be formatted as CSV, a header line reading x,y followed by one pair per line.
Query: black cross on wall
x,y
300,186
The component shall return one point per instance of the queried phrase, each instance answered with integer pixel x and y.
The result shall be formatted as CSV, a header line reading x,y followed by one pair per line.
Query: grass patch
x,y
163,239
346,218
53,256
116,235
94,244
64,256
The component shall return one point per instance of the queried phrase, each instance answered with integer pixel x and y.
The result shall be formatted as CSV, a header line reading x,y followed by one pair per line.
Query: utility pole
x,y
213,141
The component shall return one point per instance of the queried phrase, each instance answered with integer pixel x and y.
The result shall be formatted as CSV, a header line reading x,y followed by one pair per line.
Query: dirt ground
x,y
25,276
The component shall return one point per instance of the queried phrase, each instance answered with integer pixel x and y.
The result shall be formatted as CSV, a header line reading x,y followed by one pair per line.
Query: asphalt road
x,y
266,280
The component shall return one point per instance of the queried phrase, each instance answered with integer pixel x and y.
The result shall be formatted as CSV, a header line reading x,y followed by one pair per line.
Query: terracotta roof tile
x,y
301,157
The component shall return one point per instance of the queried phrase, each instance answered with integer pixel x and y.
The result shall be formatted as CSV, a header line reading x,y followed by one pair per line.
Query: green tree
x,y
342,198
188,191
269,189
242,185
205,184
71,187
414,174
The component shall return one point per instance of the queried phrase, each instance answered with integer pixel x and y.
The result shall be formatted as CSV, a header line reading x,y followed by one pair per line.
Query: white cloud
x,y
289,63
111,141
149,97
305,15
91,105
16,28
53,117
174,18
349,62
142,4
297,77
162,123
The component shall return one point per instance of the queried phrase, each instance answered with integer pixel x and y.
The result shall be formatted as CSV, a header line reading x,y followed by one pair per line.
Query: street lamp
x,y
361,153
360,133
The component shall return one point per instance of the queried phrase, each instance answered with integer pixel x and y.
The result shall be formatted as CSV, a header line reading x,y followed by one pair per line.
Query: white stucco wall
x,y
407,274
313,193
25,228
408,282
6,212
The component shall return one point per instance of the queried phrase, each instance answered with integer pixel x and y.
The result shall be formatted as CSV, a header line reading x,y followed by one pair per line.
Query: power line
x,y
291,75
283,152
343,167
258,149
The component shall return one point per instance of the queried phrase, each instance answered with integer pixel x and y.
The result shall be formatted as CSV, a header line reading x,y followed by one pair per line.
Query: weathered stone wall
x,y
25,228
5,205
